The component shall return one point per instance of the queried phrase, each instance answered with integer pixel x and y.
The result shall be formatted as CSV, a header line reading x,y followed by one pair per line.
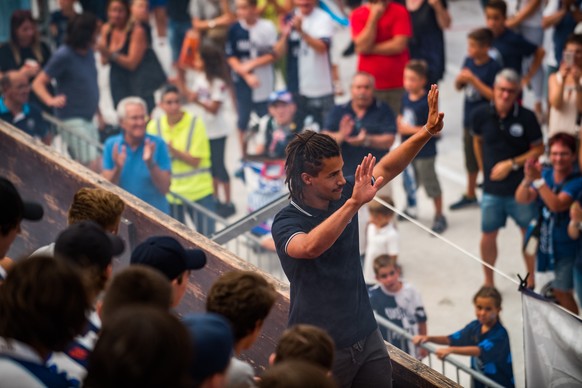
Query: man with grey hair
x,y
138,162
362,125
506,135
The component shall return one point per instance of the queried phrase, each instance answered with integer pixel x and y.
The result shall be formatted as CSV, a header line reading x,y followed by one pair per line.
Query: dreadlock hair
x,y
305,153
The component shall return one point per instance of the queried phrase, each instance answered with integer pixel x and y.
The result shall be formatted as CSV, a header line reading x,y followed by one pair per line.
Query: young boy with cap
x,y
168,256
12,211
212,343
86,247
274,131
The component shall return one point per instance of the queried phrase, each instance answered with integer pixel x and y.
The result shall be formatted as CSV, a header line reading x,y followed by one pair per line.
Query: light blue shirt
x,y
135,176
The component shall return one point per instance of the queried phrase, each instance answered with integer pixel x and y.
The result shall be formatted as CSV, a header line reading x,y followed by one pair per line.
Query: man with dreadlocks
x,y
316,237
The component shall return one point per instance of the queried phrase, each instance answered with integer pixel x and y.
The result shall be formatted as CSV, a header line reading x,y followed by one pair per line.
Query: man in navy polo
x,y
316,237
16,110
361,126
506,135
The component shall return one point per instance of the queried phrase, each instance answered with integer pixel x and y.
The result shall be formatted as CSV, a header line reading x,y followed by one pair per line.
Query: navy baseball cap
x,y
212,342
167,255
13,208
87,243
281,96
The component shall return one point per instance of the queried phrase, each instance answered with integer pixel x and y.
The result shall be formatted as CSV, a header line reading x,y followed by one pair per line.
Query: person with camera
x,y
565,90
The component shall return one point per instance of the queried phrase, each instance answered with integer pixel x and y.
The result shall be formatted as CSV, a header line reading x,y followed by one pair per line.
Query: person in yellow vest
x,y
189,148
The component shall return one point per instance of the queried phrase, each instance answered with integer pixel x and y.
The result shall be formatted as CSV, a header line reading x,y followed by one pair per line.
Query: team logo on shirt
x,y
516,130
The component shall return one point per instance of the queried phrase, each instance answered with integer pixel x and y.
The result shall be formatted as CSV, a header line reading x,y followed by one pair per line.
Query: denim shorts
x,y
495,210
564,272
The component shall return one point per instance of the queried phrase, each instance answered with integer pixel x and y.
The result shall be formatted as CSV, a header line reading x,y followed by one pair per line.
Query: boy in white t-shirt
x,y
382,237
398,302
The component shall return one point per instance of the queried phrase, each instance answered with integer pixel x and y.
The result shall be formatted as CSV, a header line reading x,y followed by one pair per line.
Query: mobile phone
x,y
568,58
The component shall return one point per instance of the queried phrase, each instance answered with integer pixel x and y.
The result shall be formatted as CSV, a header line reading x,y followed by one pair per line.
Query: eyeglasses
x,y
506,90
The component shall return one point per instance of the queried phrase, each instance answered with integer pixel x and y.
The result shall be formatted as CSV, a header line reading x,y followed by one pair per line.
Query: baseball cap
x,y
86,240
280,96
168,256
212,342
13,208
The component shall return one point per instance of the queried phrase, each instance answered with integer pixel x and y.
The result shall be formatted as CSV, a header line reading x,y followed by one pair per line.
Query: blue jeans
x,y
495,209
176,33
409,183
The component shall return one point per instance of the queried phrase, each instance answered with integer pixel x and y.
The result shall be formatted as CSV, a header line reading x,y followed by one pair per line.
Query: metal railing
x,y
459,366
236,237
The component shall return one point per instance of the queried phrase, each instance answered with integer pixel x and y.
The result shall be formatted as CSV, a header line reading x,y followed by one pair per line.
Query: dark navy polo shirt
x,y
513,47
378,120
29,120
329,291
416,113
486,73
505,139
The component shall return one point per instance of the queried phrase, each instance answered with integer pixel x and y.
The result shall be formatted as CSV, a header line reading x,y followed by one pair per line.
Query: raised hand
x,y
119,155
532,170
346,126
435,122
149,149
364,190
357,140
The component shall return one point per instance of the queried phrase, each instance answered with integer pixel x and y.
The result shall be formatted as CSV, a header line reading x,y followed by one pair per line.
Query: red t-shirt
x,y
387,69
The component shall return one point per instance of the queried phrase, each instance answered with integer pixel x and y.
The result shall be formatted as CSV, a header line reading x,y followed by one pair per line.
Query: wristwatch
x,y
211,24
514,165
538,183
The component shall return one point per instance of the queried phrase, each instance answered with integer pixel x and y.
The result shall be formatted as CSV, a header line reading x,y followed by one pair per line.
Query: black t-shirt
x,y
329,291
504,139
178,10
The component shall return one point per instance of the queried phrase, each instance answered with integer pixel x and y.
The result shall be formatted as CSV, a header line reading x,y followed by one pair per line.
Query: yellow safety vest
x,y
188,135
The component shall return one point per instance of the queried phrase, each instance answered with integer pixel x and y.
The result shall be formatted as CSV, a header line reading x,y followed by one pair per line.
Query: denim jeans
x,y
409,183
176,32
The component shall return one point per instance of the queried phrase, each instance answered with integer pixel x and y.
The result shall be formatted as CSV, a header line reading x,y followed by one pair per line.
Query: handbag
x,y
149,76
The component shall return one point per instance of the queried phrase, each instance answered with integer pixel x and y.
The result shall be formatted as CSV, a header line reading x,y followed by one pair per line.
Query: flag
x,y
553,344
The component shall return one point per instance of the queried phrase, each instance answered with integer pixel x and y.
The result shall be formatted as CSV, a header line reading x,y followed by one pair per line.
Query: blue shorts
x,y
495,210
245,105
564,271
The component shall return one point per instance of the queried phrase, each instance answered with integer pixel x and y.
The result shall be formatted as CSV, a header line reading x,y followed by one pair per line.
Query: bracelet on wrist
x,y
526,182
538,183
211,23
429,132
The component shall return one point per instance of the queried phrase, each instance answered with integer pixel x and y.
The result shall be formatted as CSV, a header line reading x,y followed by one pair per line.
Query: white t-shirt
x,y
315,68
379,241
217,125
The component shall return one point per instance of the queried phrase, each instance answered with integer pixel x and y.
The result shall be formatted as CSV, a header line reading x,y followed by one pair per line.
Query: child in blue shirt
x,y
485,340
476,80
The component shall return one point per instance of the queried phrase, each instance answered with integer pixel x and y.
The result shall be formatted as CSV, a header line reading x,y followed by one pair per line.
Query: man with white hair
x,y
138,162
505,136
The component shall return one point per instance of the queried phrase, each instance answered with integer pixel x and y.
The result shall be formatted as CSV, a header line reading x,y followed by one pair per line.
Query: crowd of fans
x,y
232,51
